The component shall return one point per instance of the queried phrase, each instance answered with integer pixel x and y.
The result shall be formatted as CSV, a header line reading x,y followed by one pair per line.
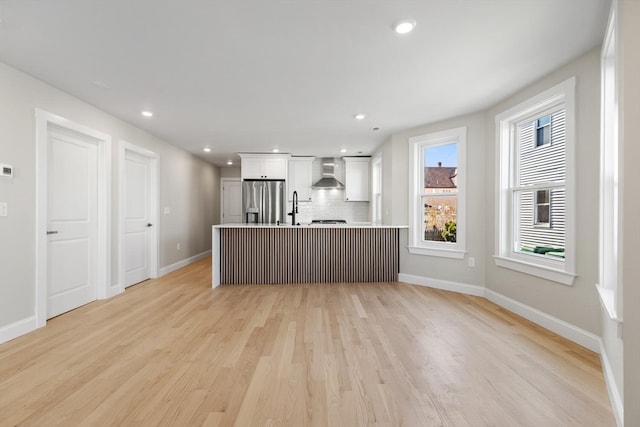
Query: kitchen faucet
x,y
294,208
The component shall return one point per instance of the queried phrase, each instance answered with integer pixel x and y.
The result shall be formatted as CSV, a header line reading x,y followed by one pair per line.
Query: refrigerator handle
x,y
262,202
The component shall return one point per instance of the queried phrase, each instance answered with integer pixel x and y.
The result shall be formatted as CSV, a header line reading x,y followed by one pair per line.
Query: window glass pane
x,y
440,218
538,166
530,237
441,168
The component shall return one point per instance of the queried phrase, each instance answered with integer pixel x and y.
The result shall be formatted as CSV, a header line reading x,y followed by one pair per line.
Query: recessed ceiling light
x,y
229,162
206,149
147,113
359,116
275,150
344,150
404,26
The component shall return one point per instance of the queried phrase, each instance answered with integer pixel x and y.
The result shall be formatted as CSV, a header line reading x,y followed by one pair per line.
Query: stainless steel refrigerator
x,y
263,201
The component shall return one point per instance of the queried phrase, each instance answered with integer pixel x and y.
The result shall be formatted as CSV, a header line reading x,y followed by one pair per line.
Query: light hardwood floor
x,y
175,352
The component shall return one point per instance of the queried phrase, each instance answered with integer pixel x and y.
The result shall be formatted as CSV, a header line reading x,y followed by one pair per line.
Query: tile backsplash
x,y
330,204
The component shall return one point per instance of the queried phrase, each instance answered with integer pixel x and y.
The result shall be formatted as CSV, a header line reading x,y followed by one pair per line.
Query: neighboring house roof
x,y
440,177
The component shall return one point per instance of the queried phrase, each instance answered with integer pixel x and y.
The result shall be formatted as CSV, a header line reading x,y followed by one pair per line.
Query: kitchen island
x,y
310,253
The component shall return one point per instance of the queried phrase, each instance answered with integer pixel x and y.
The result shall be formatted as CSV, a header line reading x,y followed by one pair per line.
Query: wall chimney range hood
x,y
328,180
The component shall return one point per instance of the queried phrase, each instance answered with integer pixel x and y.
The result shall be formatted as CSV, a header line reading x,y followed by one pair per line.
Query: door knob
x,y
149,225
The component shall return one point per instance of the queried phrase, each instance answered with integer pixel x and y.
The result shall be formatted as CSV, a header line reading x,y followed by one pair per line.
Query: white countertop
x,y
309,225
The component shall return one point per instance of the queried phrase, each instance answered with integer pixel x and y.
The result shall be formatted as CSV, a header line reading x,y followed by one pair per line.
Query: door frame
x,y
222,182
44,120
154,204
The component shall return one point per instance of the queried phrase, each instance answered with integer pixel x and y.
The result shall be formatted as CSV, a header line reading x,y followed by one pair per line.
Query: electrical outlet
x,y
472,261
6,170
178,246
167,210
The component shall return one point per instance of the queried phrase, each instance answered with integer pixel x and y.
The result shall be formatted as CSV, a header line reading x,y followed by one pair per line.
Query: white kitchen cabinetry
x,y
356,182
300,178
263,166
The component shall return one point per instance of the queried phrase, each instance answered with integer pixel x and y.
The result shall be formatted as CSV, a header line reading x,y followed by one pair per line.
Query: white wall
x,y
188,185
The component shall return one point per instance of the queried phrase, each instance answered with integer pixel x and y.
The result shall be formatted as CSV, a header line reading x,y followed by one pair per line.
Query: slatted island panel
x,y
306,254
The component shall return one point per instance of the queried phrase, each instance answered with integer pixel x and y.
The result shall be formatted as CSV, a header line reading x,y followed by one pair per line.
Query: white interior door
x,y
72,224
231,201
137,218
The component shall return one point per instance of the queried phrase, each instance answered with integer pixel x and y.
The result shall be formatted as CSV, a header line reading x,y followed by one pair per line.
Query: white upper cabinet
x,y
300,178
263,166
356,173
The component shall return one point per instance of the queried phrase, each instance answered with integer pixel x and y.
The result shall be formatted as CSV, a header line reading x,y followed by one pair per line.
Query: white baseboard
x,y
446,285
177,265
612,389
560,327
16,329
114,290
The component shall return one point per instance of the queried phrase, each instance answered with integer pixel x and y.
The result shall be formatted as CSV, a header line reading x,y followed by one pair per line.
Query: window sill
x,y
607,298
537,270
444,253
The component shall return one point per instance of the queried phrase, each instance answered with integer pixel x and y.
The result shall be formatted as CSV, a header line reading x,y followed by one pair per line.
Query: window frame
x,y
610,288
417,144
505,255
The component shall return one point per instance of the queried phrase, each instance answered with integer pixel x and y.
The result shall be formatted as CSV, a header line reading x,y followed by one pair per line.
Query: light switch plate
x,y
4,208
167,210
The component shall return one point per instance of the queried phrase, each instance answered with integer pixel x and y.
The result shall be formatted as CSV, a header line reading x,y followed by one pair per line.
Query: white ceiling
x,y
252,75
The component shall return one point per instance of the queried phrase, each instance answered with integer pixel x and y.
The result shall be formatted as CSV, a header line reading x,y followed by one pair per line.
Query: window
x,y
535,221
609,287
437,204
543,206
543,131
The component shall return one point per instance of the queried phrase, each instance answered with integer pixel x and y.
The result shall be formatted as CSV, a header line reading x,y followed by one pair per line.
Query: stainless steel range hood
x,y
328,180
